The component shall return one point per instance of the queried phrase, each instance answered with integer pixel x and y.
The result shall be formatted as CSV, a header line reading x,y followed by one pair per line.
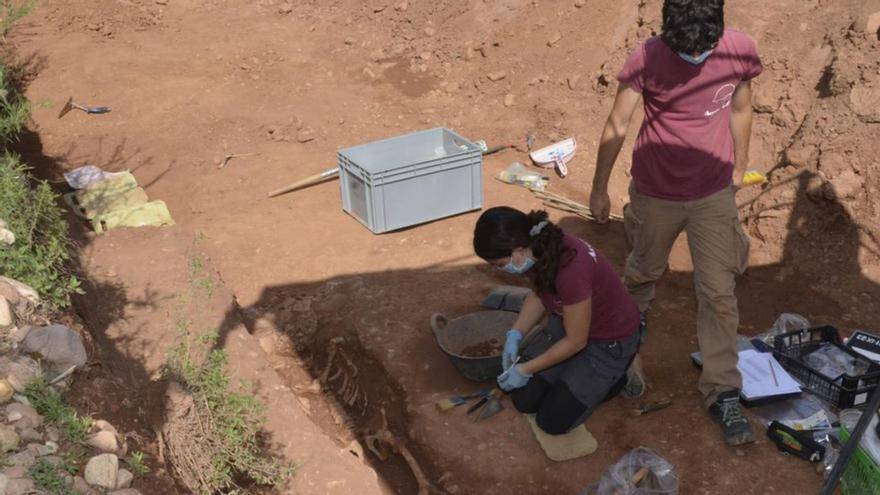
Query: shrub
x,y
41,252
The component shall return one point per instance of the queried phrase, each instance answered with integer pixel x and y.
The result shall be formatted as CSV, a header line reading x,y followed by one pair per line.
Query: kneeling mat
x,y
577,443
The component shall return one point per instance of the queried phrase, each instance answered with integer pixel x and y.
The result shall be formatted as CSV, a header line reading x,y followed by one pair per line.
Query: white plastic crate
x,y
411,179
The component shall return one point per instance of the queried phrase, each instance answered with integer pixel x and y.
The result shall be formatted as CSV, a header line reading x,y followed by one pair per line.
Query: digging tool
x,y
308,181
70,105
459,400
230,156
852,444
653,406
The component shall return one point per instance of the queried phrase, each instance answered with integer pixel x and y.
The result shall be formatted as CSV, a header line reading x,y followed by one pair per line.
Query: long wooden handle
x,y
308,181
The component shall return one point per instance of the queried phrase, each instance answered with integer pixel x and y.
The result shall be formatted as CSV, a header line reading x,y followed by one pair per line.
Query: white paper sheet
x,y
758,382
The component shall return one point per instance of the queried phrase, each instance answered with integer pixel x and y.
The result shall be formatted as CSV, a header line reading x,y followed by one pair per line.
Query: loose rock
x,y
22,459
4,483
24,291
305,136
509,100
9,439
573,82
60,347
20,486
285,8
15,472
22,372
105,441
124,479
102,471
496,76
6,390
6,319
555,39
23,416
579,3
30,435
429,31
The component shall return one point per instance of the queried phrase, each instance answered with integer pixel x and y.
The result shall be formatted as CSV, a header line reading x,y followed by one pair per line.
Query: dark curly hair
x,y
502,229
692,26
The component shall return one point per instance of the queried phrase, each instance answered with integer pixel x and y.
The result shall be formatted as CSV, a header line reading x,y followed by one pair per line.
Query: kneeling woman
x,y
581,357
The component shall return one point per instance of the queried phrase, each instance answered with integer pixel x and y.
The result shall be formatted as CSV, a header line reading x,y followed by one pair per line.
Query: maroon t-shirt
x,y
587,275
684,150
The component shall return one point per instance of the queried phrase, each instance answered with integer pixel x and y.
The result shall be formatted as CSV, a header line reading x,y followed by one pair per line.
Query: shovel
x,y
70,105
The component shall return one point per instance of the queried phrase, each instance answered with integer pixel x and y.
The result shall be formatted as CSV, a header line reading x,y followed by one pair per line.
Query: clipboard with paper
x,y
763,378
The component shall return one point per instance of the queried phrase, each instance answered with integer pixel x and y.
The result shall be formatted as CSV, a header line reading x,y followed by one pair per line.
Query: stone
x,y
103,425
429,31
865,101
402,6
9,293
6,318
555,39
573,82
509,100
60,347
6,390
349,41
161,2
124,479
4,484
80,486
872,25
579,4
496,76
846,185
285,8
39,450
105,441
26,416
102,470
52,447
20,486
127,491
24,291
22,459
22,372
305,136
15,472
9,439
30,435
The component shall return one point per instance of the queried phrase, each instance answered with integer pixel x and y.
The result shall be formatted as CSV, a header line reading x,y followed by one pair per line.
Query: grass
x,y
58,412
236,417
49,478
137,464
11,11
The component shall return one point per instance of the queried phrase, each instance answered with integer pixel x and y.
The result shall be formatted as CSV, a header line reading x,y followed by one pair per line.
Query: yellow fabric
x,y
154,214
91,205
579,442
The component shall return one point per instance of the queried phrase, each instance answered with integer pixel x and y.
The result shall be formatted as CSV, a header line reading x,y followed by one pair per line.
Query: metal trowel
x,y
70,105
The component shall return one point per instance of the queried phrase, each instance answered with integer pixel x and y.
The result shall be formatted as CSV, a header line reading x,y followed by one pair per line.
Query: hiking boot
x,y
635,380
726,411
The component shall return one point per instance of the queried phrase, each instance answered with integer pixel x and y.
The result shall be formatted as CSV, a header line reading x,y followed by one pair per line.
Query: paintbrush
x,y
458,400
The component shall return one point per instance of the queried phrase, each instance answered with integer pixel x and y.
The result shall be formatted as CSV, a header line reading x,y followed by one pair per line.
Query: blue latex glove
x,y
511,349
513,379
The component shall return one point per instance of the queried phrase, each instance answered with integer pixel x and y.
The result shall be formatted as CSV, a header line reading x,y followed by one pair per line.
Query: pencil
x,y
770,364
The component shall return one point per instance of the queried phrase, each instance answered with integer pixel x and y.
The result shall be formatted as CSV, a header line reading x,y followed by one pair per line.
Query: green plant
x,y
41,252
136,461
222,428
11,11
48,477
57,411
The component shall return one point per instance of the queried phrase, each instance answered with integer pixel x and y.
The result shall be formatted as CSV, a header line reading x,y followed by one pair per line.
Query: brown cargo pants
x,y
719,249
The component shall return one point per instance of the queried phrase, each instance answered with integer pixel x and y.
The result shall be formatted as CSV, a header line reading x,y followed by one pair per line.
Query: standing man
x,y
688,162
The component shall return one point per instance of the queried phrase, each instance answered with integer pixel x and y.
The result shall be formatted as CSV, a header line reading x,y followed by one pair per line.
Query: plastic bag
x,y
804,412
618,480
518,175
786,322
833,362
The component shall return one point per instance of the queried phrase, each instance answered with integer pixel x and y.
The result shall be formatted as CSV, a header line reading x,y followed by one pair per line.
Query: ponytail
x,y
502,229
546,241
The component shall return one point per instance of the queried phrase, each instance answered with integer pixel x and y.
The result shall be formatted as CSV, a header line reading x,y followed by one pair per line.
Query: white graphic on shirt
x,y
591,251
721,100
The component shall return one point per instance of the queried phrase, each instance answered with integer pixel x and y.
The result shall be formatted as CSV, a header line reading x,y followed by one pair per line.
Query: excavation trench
x,y
347,392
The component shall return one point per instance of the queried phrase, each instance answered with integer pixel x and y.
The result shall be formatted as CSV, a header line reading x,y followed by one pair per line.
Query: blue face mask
x,y
699,59
518,270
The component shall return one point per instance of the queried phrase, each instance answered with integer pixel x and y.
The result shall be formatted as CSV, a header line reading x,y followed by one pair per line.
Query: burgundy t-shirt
x,y
684,150
589,275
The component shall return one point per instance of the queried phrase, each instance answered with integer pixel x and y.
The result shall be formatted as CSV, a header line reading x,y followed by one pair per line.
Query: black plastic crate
x,y
843,392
